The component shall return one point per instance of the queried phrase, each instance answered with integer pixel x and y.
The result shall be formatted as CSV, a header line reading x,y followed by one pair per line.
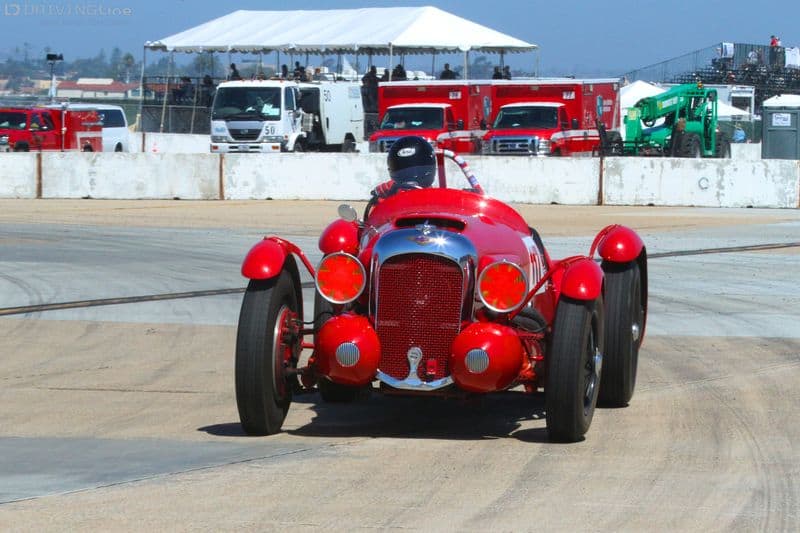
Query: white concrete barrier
x,y
17,175
746,151
537,180
170,143
700,182
305,176
130,176
311,176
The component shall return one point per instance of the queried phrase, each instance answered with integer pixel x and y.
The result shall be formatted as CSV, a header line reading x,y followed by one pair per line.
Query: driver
x,y
412,165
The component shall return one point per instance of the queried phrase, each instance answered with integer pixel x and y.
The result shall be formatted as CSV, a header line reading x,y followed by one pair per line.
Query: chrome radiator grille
x,y
419,304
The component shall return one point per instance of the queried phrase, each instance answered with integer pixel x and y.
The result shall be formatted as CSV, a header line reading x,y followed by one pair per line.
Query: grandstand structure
x,y
763,67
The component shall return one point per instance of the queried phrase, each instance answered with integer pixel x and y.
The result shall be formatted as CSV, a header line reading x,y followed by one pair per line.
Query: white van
x,y
116,137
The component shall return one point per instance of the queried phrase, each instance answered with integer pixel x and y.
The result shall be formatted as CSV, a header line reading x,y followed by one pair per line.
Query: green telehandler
x,y
688,128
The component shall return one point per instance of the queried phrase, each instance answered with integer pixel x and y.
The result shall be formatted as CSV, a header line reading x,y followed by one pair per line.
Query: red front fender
x,y
264,260
583,280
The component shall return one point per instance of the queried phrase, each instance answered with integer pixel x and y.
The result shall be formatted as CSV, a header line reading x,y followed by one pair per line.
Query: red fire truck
x,y
551,116
450,114
25,129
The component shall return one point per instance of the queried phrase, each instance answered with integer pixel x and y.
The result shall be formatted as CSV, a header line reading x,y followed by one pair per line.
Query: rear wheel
x,y
574,368
267,346
21,147
624,324
329,391
298,146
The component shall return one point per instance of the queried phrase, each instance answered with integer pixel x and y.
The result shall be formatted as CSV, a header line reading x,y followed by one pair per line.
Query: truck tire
x,y
690,146
22,147
723,150
298,146
118,147
348,146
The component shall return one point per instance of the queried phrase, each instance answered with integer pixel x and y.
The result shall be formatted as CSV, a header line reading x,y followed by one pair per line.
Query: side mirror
x,y
460,124
575,124
347,212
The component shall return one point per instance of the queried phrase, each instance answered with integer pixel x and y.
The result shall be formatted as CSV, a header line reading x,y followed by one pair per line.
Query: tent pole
x,y
466,64
141,90
230,61
391,60
369,60
278,62
502,58
166,92
433,65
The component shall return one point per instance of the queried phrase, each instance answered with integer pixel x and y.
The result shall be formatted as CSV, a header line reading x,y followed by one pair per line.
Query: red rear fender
x,y
618,244
583,280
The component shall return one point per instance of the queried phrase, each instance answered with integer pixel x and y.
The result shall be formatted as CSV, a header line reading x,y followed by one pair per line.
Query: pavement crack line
x,y
80,304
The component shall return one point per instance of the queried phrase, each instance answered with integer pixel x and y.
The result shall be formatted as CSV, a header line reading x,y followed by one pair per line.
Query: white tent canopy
x,y
382,31
783,100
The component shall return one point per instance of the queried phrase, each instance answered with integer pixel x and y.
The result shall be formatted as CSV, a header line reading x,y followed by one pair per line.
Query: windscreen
x,y
527,117
410,118
11,120
247,103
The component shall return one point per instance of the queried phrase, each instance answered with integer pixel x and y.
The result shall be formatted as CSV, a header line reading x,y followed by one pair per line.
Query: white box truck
x,y
268,116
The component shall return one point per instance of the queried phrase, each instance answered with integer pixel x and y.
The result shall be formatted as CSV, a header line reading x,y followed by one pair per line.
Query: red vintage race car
x,y
442,291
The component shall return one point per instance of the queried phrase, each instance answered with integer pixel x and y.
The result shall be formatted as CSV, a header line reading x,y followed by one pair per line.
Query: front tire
x,y
267,345
690,146
624,326
574,368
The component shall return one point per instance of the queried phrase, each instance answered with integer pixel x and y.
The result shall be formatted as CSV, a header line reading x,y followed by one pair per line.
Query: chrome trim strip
x,y
413,383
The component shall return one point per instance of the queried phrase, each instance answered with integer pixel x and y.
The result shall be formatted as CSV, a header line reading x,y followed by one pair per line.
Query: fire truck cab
x,y
26,129
551,117
449,114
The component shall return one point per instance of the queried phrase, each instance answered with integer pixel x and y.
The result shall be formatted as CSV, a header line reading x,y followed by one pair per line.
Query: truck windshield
x,y
247,103
11,120
410,118
527,117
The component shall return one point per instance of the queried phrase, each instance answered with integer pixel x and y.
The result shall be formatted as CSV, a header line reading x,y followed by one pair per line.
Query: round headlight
x,y
341,278
502,287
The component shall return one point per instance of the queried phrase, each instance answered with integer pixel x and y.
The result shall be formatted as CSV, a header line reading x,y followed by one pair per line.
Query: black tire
x,y
690,146
574,368
298,146
723,149
624,324
118,147
348,146
263,391
329,391
87,148
22,147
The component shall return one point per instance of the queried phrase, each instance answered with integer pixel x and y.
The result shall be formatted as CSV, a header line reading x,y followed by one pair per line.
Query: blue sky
x,y
579,36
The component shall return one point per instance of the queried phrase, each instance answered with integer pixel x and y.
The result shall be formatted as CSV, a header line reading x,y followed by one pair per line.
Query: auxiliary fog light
x,y
348,354
477,361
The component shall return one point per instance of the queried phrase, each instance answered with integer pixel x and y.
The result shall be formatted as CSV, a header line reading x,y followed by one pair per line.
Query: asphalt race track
x,y
117,411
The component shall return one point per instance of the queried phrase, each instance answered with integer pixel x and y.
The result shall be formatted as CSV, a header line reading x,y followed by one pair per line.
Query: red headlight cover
x,y
502,286
340,278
